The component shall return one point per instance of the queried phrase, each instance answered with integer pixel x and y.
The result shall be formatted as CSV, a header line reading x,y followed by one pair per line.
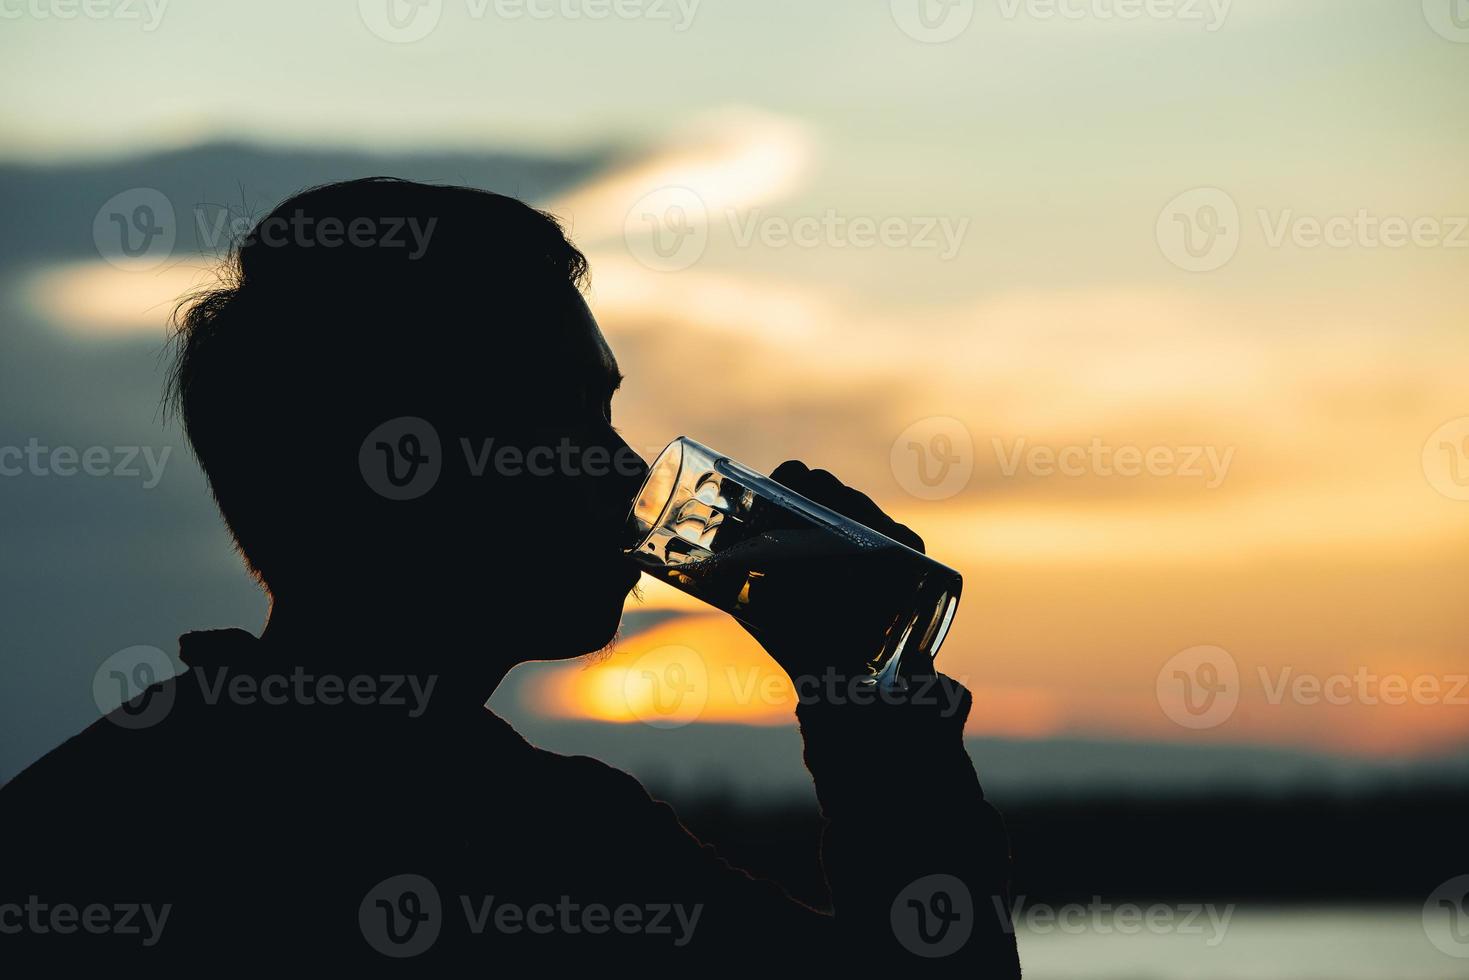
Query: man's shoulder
x,y
115,751
132,743
591,793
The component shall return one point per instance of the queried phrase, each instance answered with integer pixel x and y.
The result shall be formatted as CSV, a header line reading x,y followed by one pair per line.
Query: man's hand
x,y
819,612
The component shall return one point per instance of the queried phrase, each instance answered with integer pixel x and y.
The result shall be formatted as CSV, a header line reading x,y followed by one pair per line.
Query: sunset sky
x,y
974,247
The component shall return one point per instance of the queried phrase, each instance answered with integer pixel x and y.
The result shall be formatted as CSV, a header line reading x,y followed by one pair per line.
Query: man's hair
x,y
348,305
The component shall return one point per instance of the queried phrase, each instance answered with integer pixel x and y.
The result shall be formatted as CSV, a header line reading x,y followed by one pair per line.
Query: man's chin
x,y
594,631
581,616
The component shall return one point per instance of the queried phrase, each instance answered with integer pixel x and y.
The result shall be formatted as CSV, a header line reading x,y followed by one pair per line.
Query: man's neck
x,y
467,652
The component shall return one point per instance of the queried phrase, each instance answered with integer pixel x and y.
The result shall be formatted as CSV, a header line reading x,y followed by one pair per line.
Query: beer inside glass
x,y
721,532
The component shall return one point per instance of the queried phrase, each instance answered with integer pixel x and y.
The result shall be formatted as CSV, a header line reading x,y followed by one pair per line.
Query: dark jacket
x,y
219,833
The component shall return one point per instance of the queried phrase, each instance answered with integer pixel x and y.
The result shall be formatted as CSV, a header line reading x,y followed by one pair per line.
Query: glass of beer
x,y
716,529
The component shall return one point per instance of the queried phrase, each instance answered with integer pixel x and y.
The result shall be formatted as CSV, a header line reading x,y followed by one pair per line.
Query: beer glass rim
x,y
645,532
684,443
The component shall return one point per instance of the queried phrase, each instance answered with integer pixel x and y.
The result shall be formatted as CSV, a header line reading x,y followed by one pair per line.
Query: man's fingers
x,y
903,534
825,489
791,473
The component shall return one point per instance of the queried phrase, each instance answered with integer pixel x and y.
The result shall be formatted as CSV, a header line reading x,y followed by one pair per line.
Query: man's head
x,y
398,391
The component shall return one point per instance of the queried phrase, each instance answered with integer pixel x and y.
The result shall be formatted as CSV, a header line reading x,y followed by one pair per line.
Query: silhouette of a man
x,y
334,791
